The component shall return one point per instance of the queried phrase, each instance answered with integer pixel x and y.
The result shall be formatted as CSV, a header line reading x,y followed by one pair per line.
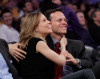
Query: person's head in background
x,y
7,17
81,18
27,7
97,5
70,5
34,25
49,4
0,12
58,22
95,16
35,4
83,7
11,4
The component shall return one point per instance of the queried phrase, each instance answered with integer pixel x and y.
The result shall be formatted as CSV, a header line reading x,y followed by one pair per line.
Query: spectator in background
x,y
94,26
35,4
0,15
26,6
94,54
7,32
12,4
70,5
82,20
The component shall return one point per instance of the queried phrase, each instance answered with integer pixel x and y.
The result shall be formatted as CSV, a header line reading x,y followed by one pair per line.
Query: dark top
x,y
95,32
35,65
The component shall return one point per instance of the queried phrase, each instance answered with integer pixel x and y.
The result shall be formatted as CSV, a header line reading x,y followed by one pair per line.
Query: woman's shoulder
x,y
34,40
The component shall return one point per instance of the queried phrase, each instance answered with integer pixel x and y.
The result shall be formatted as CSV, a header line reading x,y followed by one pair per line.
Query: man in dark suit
x,y
6,66
77,58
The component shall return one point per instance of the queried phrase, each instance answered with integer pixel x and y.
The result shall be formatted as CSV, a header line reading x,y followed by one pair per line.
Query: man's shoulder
x,y
75,45
76,42
3,26
2,40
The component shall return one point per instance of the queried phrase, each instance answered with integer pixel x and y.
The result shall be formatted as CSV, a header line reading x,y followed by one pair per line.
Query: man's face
x,y
59,23
35,4
7,18
97,18
28,7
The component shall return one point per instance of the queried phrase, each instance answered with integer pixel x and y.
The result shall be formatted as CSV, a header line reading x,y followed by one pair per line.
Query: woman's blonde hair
x,y
28,26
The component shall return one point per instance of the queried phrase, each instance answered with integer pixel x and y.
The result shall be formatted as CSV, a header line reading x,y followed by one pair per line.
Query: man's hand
x,y
16,52
63,43
71,59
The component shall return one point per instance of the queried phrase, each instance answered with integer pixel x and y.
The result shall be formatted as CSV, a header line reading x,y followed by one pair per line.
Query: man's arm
x,y
85,60
16,52
77,51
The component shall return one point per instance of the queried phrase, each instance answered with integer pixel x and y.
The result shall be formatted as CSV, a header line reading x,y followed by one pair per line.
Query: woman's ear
x,y
36,29
94,18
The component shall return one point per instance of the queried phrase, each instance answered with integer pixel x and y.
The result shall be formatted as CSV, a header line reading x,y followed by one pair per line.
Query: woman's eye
x,y
44,20
59,20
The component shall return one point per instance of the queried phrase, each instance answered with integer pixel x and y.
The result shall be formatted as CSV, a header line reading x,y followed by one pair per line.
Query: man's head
x,y
95,15
81,17
35,4
7,17
58,21
27,7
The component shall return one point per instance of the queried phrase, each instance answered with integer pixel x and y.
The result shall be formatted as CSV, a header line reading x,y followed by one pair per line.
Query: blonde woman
x,y
40,59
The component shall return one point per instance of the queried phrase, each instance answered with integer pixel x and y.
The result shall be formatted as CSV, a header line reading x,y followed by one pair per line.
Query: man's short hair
x,y
5,11
92,15
48,12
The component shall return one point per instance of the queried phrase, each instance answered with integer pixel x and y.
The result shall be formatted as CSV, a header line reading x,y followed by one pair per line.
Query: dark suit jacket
x,y
5,53
77,49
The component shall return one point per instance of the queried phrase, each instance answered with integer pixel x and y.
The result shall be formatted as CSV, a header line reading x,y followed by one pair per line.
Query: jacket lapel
x,y
50,42
69,47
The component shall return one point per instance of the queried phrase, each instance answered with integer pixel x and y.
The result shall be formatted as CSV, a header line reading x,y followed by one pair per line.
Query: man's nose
x,y
64,22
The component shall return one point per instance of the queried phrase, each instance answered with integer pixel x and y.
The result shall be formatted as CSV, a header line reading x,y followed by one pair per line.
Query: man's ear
x,y
24,9
94,18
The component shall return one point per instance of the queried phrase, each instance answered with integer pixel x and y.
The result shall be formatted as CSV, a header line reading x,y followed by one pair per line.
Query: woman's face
x,y
81,18
44,26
